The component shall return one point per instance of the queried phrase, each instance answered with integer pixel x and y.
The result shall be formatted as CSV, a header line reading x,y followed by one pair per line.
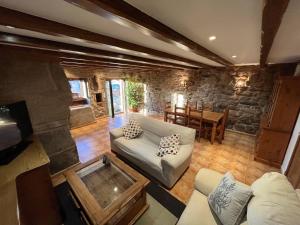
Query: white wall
x,y
291,146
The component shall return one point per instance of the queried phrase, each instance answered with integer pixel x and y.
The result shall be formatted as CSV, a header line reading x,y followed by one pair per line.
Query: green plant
x,y
135,94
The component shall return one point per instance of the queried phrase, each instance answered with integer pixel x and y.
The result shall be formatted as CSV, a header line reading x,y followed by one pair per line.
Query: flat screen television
x,y
15,130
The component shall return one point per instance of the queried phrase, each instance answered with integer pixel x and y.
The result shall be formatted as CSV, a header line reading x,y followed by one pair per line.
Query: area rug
x,y
163,207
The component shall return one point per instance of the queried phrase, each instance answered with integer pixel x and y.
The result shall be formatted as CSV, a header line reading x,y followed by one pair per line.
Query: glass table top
x,y
105,182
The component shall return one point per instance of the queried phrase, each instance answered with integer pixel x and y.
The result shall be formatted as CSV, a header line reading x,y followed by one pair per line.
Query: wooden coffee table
x,y
108,194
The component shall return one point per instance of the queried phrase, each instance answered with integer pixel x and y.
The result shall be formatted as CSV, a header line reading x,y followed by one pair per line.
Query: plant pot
x,y
134,109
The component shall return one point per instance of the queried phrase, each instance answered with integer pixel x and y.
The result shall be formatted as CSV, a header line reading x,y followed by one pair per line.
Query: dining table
x,y
208,117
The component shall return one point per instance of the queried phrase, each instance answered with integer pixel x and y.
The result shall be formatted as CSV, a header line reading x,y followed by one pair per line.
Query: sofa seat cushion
x,y
142,149
197,211
275,201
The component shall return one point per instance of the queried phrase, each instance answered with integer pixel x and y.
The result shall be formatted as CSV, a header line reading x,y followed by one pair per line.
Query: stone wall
x,y
215,86
44,87
210,86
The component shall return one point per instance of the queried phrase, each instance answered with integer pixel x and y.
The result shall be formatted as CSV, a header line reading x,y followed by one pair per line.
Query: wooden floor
x,y
235,154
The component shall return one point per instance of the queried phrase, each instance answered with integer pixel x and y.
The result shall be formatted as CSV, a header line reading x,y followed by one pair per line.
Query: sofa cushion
x,y
197,212
142,149
229,200
132,130
275,201
169,145
163,129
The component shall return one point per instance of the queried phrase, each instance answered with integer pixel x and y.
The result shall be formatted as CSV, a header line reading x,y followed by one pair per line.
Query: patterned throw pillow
x,y
229,200
132,130
169,145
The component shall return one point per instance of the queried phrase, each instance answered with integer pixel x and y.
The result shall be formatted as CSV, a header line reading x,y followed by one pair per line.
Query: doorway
x,y
115,92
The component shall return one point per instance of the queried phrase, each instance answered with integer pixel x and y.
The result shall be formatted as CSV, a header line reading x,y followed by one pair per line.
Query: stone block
x,y
63,160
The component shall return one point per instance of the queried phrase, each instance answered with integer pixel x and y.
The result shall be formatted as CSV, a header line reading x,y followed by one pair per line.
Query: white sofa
x,y
142,151
275,202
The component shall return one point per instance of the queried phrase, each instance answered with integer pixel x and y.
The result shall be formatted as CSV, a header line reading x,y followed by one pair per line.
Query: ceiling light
x,y
9,27
212,38
234,56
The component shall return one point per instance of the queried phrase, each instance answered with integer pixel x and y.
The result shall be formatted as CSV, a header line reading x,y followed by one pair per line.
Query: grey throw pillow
x,y
229,200
169,145
132,130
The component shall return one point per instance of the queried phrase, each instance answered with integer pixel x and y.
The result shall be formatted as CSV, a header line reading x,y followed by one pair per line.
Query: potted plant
x,y
135,95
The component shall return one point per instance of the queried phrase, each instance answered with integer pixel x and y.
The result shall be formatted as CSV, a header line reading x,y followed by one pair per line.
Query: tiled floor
x,y
235,154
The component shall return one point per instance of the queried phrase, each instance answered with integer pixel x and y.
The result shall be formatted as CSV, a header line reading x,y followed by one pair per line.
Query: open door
x,y
115,97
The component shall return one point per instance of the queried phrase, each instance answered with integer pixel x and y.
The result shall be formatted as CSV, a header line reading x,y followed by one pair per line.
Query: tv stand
x,y
34,156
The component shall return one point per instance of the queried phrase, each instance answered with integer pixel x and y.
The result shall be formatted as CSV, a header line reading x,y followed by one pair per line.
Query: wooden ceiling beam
x,y
94,66
63,49
105,67
273,12
115,62
125,14
103,64
25,21
100,64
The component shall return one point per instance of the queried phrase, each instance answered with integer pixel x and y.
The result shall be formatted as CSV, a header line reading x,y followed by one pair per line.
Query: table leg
x,y
213,133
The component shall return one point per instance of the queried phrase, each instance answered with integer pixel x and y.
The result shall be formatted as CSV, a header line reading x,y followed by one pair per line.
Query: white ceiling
x,y
63,12
84,44
235,23
286,45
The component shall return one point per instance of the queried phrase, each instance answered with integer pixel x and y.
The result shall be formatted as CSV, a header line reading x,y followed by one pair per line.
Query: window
x,y
79,88
178,99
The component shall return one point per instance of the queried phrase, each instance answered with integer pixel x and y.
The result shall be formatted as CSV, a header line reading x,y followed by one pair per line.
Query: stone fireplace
x,y
44,87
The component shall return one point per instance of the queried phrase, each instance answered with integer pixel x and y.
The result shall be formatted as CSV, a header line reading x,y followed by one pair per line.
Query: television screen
x,y
15,128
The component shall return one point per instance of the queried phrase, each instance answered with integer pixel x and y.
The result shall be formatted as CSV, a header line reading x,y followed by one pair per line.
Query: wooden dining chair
x,y
170,117
195,121
193,105
220,130
168,105
180,115
224,122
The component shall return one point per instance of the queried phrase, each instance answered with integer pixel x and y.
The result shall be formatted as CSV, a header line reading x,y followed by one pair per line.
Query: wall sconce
x,y
239,83
186,83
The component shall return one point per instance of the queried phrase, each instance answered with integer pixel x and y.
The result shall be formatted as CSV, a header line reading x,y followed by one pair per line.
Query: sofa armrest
x,y
116,133
173,166
175,161
207,180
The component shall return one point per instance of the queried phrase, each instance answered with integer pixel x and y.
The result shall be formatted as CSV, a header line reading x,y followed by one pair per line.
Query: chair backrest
x,y
193,105
178,114
168,105
195,115
179,110
208,106
225,118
